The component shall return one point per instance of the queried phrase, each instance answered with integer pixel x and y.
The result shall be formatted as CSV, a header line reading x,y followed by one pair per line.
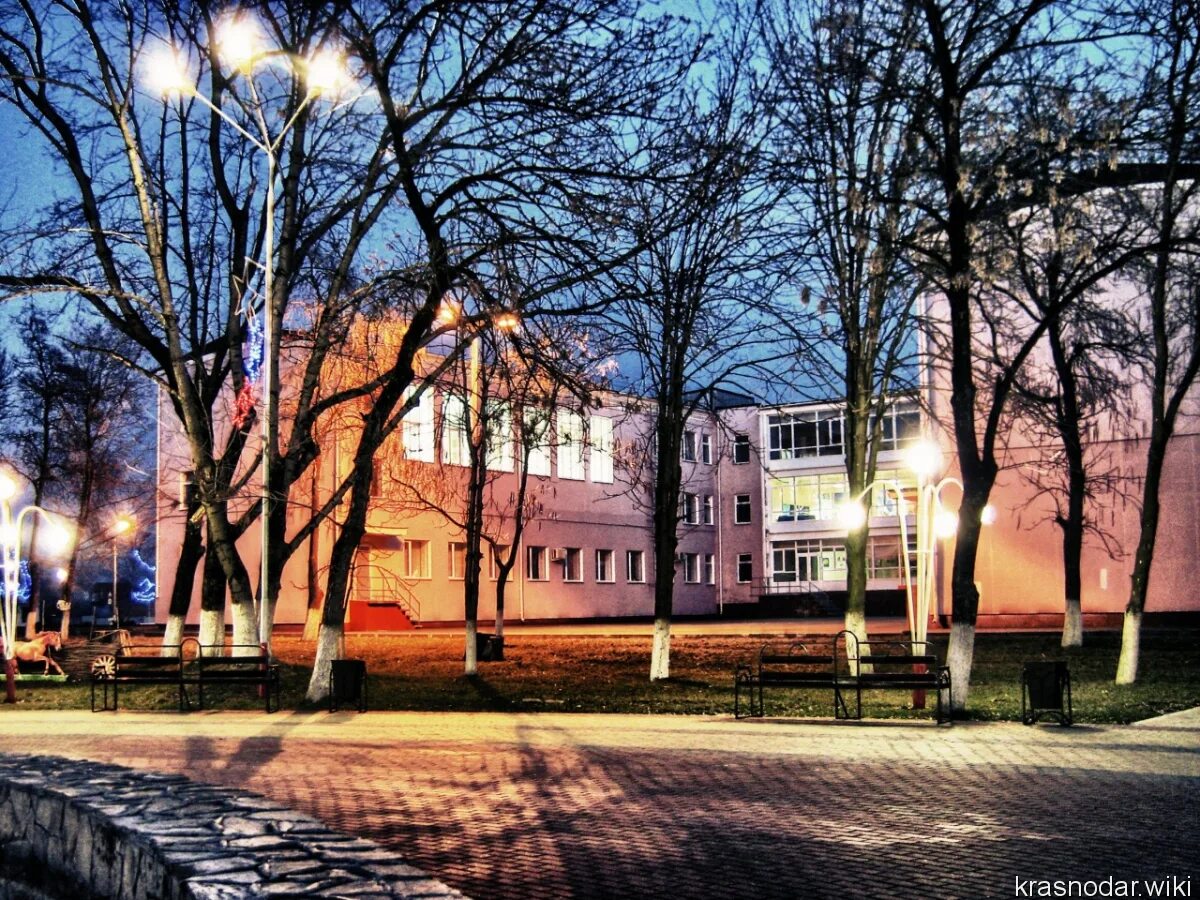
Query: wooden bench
x,y
136,666
837,666
797,664
233,665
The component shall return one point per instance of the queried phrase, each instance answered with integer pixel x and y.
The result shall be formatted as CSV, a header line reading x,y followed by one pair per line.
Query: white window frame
x,y
456,448
708,518
691,568
540,554
640,556
452,559
689,508
499,436
604,566
573,565
601,428
536,430
423,571
687,449
738,505
569,425
741,440
748,560
706,454
417,429
710,569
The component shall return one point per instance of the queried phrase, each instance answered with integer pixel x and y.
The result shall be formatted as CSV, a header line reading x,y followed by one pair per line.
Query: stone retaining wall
x,y
72,829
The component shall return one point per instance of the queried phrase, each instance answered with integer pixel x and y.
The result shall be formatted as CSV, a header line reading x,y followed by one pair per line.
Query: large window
x,y
825,560
415,560
689,446
741,449
499,436
604,566
455,449
537,440
573,564
745,568
635,566
741,509
689,508
535,565
691,568
494,556
806,434
820,497
812,433
417,430
570,445
602,449
456,561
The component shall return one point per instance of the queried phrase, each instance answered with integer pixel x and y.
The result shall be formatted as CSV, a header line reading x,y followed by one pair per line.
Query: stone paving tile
x,y
600,807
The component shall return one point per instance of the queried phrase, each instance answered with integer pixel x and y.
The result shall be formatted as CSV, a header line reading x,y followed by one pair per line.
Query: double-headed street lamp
x,y
240,45
10,553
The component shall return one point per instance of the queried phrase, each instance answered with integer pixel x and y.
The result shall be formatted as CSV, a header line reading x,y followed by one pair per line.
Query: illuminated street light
x,y
121,525
238,42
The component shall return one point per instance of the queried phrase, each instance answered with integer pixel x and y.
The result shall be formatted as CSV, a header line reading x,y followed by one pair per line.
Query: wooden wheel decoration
x,y
104,667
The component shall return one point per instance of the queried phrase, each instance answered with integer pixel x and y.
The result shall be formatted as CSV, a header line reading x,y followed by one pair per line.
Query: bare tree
x,y
689,316
846,152
1170,276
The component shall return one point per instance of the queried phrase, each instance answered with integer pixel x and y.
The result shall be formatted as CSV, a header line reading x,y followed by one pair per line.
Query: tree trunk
x,y
212,631
172,634
1072,635
965,594
1131,641
856,590
212,604
329,646
660,655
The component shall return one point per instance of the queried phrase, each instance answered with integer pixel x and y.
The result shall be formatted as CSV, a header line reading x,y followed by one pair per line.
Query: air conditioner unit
x,y
558,554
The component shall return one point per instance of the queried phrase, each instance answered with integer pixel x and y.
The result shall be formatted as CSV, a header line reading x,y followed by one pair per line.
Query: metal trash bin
x,y
348,684
488,647
1046,692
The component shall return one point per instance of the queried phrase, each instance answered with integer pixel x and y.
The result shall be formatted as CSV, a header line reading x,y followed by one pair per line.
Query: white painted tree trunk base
x,y
856,624
660,655
1131,645
470,660
959,658
172,635
1072,635
329,644
212,628
245,629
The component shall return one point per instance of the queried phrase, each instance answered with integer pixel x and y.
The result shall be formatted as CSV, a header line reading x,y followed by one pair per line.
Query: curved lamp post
x,y
240,44
10,548
934,522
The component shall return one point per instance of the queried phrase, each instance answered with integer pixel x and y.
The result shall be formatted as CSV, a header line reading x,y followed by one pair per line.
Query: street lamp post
x,y
121,525
240,41
10,552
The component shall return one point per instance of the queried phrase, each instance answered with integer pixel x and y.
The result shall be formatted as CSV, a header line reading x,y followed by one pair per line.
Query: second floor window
x,y
573,564
635,566
745,568
689,446
741,449
741,509
536,564
691,568
689,509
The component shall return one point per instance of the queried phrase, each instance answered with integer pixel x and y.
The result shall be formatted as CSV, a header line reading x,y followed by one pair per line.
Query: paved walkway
x,y
559,805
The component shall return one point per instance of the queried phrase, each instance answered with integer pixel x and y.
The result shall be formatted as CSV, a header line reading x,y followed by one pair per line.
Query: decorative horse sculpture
x,y
35,650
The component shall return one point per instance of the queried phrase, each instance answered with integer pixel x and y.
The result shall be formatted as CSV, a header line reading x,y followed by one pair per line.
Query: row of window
x,y
825,560
575,438
822,433
820,497
411,560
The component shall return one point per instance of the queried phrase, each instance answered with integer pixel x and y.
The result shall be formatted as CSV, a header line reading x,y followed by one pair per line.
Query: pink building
x,y
759,521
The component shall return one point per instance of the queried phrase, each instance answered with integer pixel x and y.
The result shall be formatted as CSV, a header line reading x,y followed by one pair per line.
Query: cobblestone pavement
x,y
557,805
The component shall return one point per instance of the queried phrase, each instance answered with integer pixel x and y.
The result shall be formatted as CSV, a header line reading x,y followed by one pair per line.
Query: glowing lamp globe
x,y
852,516
945,524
